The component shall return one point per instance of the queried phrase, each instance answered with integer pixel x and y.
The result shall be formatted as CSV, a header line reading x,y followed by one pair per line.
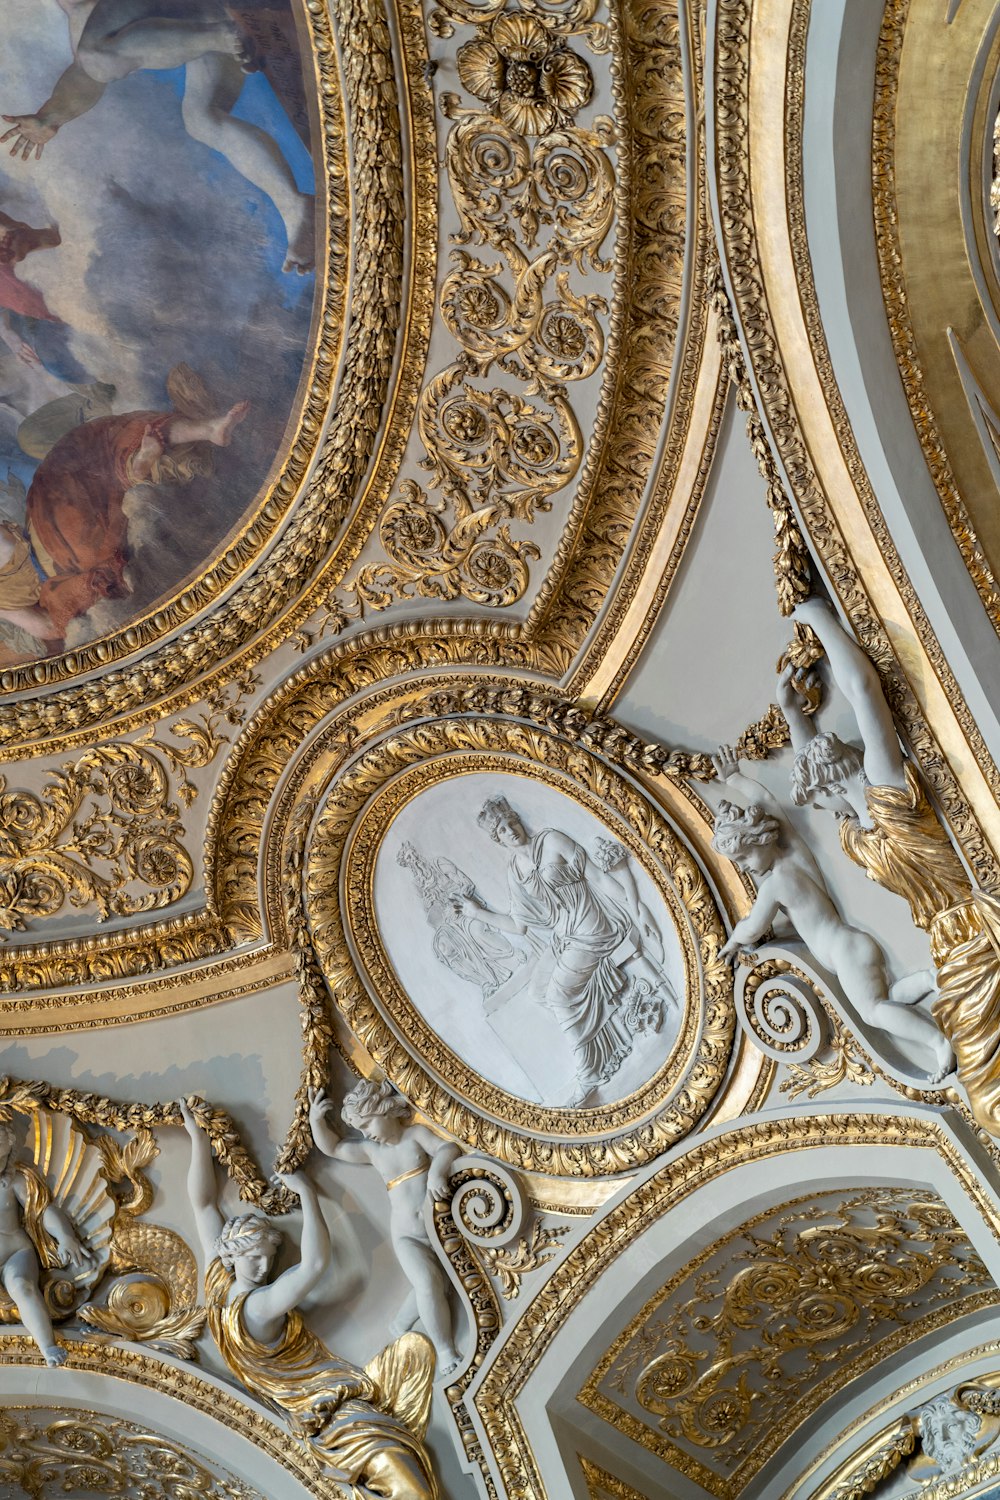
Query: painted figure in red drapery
x,y
75,516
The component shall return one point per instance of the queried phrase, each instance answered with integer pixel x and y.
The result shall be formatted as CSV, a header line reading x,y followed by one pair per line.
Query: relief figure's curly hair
x,y
737,830
826,764
244,1233
368,1100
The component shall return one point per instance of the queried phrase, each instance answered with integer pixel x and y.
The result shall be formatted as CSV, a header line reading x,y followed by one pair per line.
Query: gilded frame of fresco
x,y
653,114
339,906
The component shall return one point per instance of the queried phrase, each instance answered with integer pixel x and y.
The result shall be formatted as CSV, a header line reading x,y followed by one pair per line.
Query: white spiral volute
x,y
780,1011
488,1204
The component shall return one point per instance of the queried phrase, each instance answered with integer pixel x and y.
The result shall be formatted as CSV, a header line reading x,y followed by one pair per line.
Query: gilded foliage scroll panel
x,y
728,1358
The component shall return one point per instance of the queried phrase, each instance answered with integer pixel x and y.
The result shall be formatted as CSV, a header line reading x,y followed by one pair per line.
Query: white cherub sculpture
x,y
412,1162
31,1226
759,838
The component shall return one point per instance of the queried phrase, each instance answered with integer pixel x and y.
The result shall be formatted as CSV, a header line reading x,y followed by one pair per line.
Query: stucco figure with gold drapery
x,y
365,1426
888,827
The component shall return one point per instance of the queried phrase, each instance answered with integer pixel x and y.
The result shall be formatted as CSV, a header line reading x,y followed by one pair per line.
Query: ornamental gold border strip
x,y
650,348
727,1486
699,380
604,1486
606,1140
894,295
264,608
530,1338
188,1389
166,995
840,511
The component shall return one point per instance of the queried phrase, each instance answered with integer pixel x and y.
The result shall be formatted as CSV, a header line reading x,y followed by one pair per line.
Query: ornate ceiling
x,y
482,480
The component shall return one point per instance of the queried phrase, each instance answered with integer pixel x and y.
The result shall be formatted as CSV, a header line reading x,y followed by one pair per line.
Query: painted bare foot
x,y
221,430
450,1361
301,230
54,1355
148,451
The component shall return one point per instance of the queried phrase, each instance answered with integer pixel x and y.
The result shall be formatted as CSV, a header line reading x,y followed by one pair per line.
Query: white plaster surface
x,y
509,1035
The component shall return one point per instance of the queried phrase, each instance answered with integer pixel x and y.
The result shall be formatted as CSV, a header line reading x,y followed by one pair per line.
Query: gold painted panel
x,y
935,81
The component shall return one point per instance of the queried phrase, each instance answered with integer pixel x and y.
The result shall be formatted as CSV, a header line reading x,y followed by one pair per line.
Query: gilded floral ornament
x,y
526,74
539,191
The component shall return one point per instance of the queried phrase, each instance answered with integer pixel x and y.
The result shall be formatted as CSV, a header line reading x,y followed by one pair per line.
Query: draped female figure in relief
x,y
365,1426
888,827
584,932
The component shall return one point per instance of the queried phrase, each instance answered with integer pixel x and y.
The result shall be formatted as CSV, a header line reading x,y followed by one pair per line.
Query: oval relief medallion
x,y
522,944
554,969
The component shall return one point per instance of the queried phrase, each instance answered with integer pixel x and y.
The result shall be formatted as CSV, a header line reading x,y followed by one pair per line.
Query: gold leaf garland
x,y
865,1475
792,575
87,1108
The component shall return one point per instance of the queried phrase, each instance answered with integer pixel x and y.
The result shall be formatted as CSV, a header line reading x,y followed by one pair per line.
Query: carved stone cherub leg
x,y
20,1276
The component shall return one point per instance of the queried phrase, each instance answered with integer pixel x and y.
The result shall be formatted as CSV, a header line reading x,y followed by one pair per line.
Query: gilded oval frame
x,y
590,1141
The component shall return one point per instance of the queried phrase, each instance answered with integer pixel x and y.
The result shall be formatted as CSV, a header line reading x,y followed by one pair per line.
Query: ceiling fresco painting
x,y
500,820
158,192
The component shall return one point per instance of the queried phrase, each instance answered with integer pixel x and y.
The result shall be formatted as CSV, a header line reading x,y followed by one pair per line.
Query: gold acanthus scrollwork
x,y
250,1426
47,1452
748,1337
848,1064
604,1486
522,170
574,1278
104,830
511,1264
